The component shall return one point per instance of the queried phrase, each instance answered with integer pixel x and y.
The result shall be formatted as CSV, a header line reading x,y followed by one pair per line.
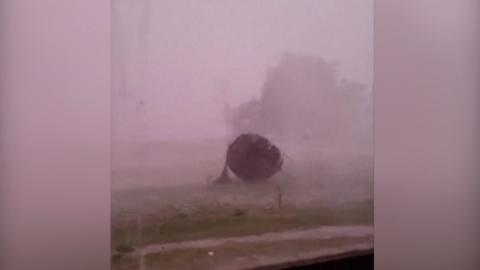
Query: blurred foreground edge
x,y
352,260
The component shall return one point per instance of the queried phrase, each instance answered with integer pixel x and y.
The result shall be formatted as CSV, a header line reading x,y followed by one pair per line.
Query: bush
x,y
124,249
238,212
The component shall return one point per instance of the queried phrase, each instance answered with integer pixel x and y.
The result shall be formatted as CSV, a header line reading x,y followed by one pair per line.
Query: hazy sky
x,y
178,56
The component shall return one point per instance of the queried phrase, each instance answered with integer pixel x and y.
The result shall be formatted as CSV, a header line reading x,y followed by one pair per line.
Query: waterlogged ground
x,y
162,196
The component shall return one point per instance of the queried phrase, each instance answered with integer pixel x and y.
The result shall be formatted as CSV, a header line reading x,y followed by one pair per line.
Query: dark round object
x,y
252,157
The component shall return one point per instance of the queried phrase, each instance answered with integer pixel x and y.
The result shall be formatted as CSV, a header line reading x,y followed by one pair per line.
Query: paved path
x,y
325,232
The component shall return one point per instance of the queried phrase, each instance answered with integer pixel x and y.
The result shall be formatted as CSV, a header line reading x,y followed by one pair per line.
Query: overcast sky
x,y
178,56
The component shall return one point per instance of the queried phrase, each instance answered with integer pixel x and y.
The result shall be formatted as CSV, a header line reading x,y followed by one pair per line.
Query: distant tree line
x,y
303,100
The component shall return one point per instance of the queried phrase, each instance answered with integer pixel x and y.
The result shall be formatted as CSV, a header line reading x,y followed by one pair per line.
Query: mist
x,y
181,68
240,118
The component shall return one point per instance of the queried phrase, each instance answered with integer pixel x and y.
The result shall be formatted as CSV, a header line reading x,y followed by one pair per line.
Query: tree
x,y
303,100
